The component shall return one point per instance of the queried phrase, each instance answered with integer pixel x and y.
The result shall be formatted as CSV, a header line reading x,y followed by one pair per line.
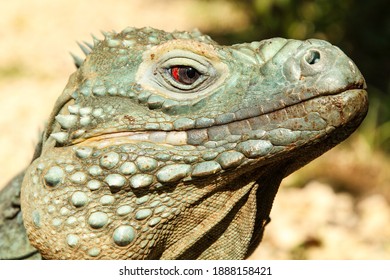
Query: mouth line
x,y
174,137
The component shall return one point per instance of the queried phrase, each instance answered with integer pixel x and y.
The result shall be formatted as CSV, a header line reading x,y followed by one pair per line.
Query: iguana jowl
x,y
170,146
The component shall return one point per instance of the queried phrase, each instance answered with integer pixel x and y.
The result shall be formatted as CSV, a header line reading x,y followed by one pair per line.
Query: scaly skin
x,y
170,146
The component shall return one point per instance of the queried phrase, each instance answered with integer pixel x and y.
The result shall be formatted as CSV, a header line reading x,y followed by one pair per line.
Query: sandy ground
x,y
36,37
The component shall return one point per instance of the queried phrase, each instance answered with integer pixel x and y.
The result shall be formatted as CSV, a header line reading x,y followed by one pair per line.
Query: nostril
x,y
312,57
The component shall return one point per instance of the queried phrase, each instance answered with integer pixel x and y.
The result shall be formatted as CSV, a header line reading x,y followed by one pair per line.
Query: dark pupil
x,y
191,72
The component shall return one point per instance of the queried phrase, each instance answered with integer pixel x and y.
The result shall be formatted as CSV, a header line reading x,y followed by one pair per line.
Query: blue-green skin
x,y
136,165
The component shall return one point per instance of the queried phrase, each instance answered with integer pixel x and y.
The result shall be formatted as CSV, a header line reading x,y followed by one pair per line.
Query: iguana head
x,y
162,141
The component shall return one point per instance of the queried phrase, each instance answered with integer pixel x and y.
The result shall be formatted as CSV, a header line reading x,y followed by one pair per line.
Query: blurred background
x,y
337,207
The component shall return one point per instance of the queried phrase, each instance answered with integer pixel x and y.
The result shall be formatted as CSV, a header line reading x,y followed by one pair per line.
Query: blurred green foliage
x,y
361,28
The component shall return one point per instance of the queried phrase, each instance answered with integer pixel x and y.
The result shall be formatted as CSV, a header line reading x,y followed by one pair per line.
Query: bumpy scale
x,y
170,146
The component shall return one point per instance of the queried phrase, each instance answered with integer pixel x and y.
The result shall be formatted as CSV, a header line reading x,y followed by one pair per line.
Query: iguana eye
x,y
174,72
184,74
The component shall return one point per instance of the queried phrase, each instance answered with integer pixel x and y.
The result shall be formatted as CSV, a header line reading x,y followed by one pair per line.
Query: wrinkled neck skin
x,y
170,146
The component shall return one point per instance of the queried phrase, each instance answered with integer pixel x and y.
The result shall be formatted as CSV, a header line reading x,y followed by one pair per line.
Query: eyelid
x,y
185,61
177,58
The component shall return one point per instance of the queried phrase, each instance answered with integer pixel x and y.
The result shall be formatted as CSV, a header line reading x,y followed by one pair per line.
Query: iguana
x,y
171,146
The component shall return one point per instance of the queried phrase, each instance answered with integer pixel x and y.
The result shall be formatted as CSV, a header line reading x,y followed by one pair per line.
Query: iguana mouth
x,y
196,137
116,138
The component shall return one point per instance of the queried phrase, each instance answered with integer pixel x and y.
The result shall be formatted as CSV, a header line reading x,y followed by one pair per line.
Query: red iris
x,y
184,74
